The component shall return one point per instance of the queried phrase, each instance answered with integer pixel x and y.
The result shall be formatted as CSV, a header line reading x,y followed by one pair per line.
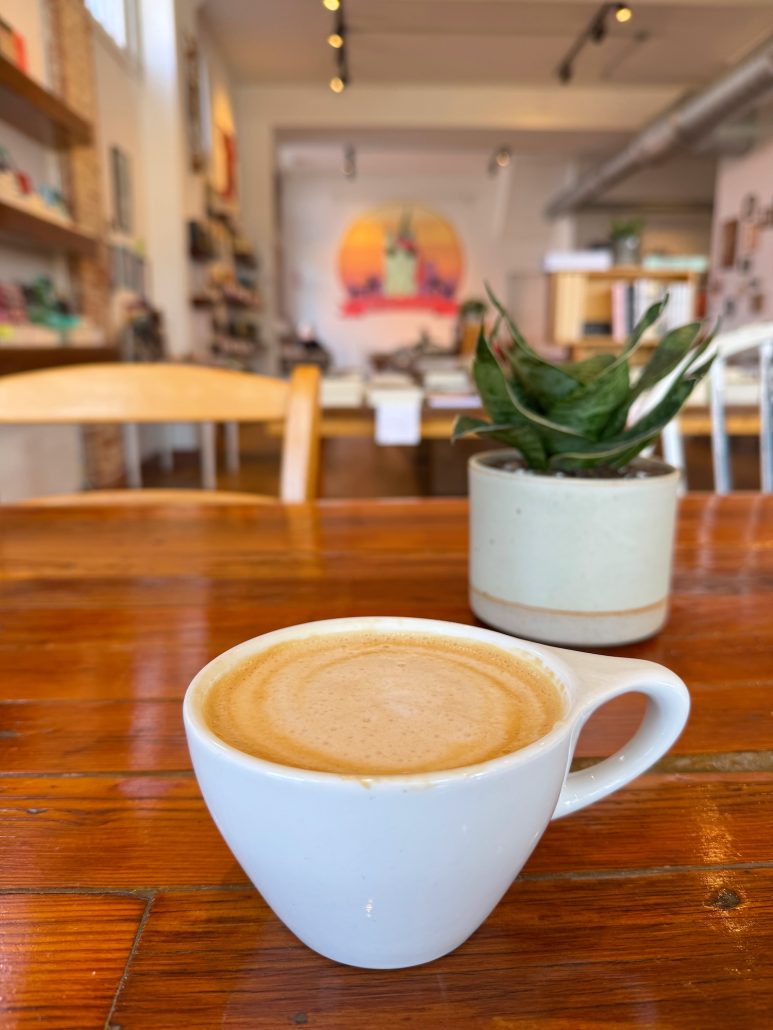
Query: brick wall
x,y
71,59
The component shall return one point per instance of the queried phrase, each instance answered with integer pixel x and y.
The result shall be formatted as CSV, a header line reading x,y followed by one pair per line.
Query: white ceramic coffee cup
x,y
392,871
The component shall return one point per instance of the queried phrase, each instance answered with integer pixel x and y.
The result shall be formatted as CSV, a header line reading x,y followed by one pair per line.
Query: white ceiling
x,y
433,42
303,149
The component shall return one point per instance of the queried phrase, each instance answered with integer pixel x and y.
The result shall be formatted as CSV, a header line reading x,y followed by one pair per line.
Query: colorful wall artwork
x,y
400,257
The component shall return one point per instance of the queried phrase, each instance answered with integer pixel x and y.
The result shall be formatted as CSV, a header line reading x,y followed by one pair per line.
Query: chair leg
x,y
673,450
208,456
720,447
132,455
232,447
167,450
766,417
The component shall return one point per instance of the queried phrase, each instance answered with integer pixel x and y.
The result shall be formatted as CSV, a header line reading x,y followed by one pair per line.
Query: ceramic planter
x,y
582,562
626,250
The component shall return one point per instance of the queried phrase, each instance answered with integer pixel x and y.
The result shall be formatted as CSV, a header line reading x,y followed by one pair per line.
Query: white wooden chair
x,y
134,393
728,345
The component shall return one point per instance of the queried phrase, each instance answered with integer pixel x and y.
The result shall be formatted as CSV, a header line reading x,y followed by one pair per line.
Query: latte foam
x,y
371,704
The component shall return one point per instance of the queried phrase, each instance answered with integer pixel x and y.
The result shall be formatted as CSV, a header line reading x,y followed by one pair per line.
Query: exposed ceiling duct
x,y
684,124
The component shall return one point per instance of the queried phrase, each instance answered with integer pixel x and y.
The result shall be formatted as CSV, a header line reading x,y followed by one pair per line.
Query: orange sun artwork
x,y
400,257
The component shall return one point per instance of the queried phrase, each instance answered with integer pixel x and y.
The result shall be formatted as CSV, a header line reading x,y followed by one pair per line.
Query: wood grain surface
x,y
681,949
121,906
64,956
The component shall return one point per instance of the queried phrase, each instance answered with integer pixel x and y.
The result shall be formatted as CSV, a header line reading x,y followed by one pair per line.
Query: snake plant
x,y
566,416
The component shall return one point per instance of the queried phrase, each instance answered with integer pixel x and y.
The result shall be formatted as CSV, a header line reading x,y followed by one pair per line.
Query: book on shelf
x,y
569,307
631,298
453,401
597,328
677,262
596,260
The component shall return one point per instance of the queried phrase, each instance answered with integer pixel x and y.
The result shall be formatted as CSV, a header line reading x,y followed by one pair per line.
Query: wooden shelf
x,y
37,112
28,229
637,272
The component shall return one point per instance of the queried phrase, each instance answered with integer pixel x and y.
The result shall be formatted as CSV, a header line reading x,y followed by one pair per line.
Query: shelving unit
x,y
579,299
47,119
231,334
37,112
26,228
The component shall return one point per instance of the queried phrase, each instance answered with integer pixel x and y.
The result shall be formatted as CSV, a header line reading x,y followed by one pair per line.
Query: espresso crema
x,y
366,703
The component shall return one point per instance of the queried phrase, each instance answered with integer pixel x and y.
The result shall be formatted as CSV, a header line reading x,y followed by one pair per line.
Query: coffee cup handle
x,y
600,679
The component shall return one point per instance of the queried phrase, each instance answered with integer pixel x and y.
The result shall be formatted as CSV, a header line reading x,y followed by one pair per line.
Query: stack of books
x,y
631,298
596,260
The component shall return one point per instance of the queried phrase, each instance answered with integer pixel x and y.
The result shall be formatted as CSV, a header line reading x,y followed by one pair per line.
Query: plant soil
x,y
639,468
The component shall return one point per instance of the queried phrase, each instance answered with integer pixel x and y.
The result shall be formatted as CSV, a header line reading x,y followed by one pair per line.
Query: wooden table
x,y
121,906
437,423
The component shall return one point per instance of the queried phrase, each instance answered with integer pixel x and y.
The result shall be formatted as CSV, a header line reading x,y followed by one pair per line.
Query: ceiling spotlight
x,y
338,84
332,5
565,73
336,40
499,159
623,12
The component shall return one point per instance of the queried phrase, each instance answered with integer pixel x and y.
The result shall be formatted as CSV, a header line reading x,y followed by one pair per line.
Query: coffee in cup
x,y
370,704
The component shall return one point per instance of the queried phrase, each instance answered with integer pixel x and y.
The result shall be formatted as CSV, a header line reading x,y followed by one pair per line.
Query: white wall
x,y
736,179
119,86
265,112
688,181
501,235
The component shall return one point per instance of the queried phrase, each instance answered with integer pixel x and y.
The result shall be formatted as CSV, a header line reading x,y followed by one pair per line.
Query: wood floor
x,y
435,468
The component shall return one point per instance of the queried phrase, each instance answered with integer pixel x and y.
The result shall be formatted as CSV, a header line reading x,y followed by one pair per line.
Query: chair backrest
x,y
728,345
159,392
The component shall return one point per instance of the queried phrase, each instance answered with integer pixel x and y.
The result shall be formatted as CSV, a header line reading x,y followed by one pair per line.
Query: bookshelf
x,y
592,311
30,230
224,277
25,218
37,112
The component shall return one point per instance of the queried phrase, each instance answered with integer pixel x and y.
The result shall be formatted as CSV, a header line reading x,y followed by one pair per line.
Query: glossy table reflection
x,y
121,907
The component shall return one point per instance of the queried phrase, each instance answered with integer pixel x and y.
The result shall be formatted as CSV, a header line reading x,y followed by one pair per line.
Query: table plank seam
x,y
145,893
149,893
132,951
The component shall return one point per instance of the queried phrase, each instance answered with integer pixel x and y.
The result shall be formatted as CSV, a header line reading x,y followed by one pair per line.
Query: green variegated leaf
x,y
491,385
598,454
620,451
672,349
515,332
589,409
588,369
701,349
543,381
521,438
466,425
650,316
601,364
617,419
662,413
518,400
